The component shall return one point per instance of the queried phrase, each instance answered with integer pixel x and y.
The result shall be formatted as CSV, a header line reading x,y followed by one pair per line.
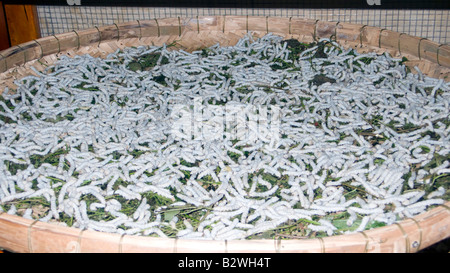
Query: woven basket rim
x,y
18,234
410,235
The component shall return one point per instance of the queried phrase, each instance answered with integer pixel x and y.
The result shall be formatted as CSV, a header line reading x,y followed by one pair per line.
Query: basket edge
x,y
360,35
409,235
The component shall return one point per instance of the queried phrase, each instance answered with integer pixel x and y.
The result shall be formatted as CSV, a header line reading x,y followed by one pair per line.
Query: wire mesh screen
x,y
430,24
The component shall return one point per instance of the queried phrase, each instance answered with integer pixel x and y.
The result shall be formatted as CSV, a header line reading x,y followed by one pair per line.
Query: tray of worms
x,y
267,138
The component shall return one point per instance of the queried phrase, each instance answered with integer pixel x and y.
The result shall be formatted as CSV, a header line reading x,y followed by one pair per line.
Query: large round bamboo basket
x,y
18,234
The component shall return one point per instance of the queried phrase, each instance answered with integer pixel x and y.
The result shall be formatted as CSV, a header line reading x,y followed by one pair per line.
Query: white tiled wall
x,y
430,24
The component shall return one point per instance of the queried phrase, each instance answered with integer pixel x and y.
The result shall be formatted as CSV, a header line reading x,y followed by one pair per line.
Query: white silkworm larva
x,y
127,194
365,220
439,192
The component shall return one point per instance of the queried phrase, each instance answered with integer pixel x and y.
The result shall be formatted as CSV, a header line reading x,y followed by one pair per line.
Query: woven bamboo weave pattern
x,y
23,235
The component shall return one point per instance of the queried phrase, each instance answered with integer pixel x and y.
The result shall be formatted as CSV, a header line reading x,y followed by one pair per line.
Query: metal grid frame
x,y
430,24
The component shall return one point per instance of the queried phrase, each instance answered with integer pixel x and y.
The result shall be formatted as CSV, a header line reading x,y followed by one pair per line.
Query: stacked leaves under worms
x,y
353,141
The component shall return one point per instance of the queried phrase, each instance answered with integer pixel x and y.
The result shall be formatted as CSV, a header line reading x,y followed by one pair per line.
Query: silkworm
x,y
127,194
326,229
439,192
426,203
365,220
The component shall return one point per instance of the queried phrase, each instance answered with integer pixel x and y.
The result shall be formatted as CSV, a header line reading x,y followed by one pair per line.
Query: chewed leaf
x,y
168,215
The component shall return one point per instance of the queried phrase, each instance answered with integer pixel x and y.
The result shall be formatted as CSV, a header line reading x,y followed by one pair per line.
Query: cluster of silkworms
x,y
113,130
